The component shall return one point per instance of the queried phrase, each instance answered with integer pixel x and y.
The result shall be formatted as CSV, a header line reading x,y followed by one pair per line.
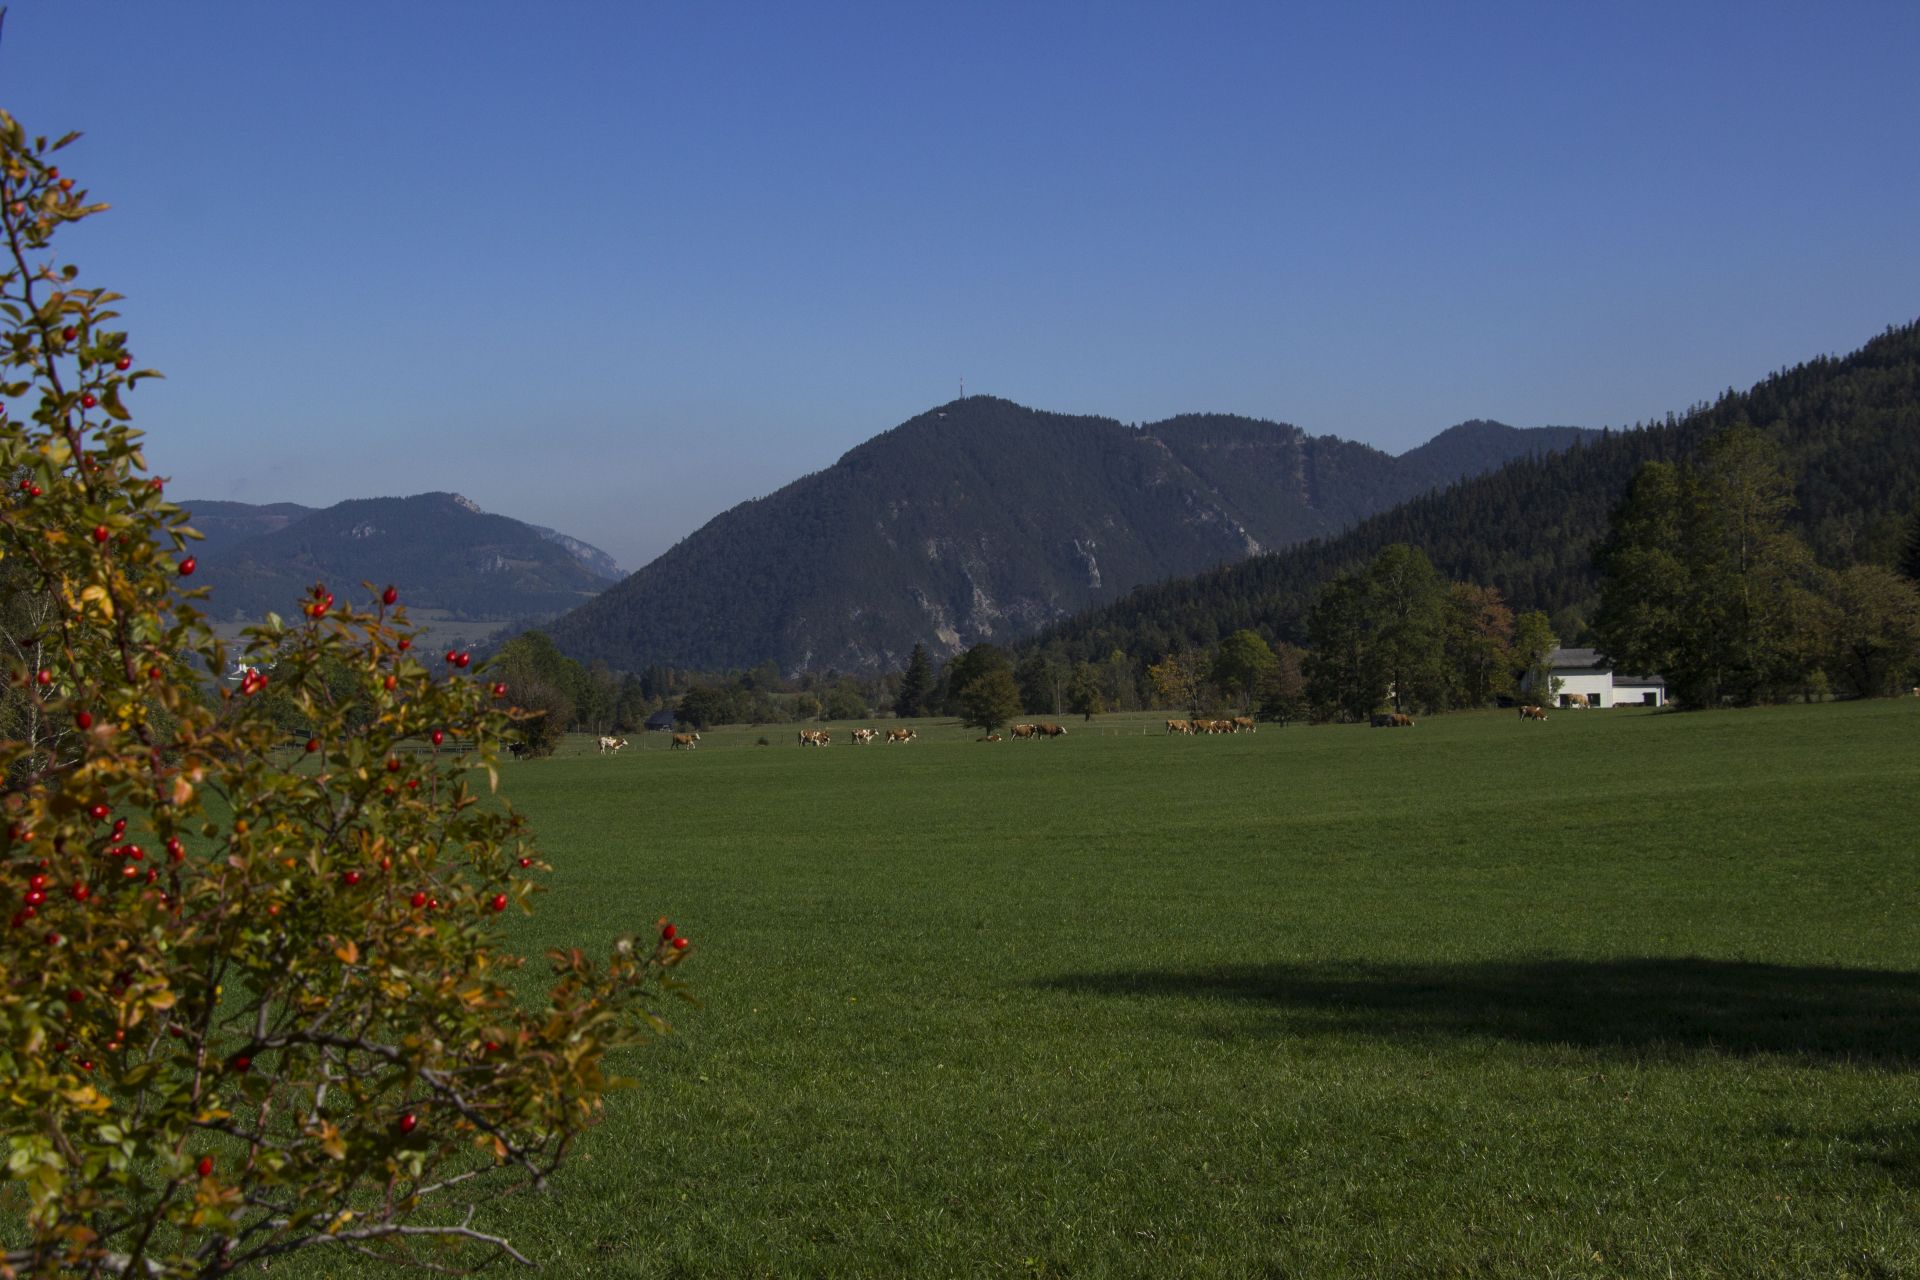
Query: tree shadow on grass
x,y
1664,1005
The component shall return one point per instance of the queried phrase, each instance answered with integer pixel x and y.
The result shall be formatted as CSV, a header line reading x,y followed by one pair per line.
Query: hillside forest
x,y
1762,547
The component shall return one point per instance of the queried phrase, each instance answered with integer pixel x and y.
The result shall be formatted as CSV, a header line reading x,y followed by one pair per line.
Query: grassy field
x,y
1621,994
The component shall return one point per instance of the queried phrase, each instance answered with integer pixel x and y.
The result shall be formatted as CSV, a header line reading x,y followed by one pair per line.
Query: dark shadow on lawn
x,y
1866,1016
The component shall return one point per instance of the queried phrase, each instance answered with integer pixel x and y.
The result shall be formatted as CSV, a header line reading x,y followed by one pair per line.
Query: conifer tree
x,y
916,687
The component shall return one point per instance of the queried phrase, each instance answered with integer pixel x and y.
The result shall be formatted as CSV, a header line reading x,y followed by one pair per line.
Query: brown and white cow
x,y
1243,724
1578,702
1052,730
684,742
1533,713
900,735
1024,730
610,745
1179,726
1402,720
815,737
861,737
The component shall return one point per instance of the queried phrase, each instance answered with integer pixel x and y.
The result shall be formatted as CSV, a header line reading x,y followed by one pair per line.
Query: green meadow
x,y
1621,994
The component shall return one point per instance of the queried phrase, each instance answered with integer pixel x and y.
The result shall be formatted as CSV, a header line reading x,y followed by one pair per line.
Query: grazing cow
x,y
519,750
610,744
1024,730
1052,730
1402,721
1578,702
861,737
1533,713
1243,724
900,735
684,741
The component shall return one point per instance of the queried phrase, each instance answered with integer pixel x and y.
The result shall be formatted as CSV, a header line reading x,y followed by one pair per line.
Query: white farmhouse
x,y
1584,671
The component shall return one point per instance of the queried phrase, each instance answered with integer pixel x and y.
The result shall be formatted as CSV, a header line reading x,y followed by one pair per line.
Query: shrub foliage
x,y
254,995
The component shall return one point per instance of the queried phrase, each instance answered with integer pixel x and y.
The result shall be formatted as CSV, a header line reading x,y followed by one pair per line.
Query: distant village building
x,y
661,721
1585,672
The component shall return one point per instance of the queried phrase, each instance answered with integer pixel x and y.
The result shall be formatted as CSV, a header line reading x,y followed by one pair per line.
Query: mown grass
x,y
1620,994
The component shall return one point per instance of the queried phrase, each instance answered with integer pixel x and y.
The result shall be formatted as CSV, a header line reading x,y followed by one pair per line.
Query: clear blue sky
x,y
613,267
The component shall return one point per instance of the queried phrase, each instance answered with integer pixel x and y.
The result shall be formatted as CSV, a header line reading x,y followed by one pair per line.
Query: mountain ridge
x,y
442,547
984,519
1848,426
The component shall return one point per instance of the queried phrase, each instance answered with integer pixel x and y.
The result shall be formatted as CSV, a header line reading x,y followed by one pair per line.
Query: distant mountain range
x,y
986,520
441,549
1848,428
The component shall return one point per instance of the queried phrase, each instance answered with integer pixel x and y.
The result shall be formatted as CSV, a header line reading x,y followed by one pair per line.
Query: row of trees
x,y
1706,582
1397,631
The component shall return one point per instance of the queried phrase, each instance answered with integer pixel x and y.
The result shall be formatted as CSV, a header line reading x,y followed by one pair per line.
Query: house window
x,y
1650,698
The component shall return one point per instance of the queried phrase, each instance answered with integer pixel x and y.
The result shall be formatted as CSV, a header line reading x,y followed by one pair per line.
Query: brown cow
x,y
1243,724
1402,721
1578,701
1179,726
1052,730
992,737
861,737
1023,731
900,735
684,740
1533,713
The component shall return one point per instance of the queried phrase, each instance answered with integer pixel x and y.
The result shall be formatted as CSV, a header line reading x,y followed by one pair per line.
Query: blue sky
x,y
615,267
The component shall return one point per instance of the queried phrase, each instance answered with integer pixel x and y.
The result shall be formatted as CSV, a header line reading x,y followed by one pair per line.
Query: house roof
x,y
1592,660
661,720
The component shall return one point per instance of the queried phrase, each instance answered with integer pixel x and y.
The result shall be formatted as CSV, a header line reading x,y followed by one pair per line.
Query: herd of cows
x,y
861,737
610,745
1239,724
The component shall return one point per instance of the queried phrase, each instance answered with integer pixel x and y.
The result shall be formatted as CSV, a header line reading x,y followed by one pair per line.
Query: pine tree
x,y
916,686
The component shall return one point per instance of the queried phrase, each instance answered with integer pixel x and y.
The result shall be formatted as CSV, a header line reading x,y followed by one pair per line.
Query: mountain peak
x,y
982,519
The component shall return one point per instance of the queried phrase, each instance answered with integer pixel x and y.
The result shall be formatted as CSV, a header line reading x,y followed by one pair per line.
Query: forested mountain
x,y
229,524
1849,427
441,549
985,520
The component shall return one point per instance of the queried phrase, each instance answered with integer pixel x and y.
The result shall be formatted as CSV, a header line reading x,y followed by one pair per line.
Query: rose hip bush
x,y
253,990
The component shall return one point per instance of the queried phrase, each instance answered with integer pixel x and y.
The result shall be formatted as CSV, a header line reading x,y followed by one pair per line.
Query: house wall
x,y
1597,685
1599,688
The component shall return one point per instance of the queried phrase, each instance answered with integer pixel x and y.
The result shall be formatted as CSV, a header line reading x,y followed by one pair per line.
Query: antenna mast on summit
x,y
963,386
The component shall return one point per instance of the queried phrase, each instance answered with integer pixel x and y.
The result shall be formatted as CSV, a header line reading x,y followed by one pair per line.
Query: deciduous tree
x,y
1241,662
990,701
254,994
